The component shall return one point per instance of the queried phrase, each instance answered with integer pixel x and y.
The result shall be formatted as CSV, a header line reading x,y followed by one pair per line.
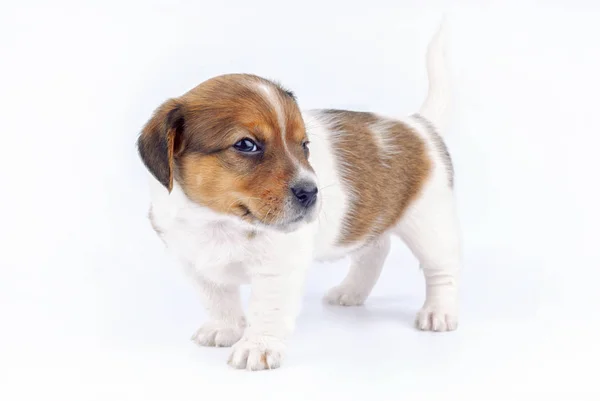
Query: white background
x,y
92,307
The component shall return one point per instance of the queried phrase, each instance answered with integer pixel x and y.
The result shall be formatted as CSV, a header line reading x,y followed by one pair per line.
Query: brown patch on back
x,y
382,184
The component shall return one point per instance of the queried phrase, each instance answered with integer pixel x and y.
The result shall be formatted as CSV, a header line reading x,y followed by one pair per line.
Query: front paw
x,y
438,315
345,295
218,334
257,353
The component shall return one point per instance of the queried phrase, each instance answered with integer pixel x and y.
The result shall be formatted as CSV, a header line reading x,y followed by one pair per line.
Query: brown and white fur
x,y
232,217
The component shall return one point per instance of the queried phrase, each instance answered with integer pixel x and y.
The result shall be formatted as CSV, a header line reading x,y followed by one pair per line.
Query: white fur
x,y
220,255
435,106
273,99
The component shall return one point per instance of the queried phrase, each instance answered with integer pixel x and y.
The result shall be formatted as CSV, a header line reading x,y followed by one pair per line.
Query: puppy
x,y
247,189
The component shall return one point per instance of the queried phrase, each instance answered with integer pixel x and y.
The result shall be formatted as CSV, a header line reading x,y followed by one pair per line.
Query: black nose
x,y
305,193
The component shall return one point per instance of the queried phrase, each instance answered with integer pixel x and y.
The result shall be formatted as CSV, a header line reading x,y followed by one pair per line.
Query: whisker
x,y
327,186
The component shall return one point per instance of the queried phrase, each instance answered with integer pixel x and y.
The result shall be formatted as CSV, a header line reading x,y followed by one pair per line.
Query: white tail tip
x,y
436,103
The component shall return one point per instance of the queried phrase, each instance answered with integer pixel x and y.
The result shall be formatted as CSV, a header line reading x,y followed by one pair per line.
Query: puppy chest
x,y
212,250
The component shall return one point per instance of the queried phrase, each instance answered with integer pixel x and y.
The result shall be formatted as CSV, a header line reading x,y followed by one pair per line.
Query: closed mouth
x,y
290,223
248,216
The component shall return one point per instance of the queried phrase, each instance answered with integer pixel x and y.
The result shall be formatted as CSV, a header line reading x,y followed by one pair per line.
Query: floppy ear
x,y
161,141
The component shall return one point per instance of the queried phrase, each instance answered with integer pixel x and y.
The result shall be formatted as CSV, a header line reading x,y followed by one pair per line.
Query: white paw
x,y
345,296
218,334
257,353
437,316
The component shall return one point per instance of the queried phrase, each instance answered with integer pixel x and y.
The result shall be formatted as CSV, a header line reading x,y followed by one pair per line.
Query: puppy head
x,y
237,145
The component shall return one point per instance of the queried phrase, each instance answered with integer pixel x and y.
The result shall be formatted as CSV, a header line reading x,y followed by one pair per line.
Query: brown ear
x,y
160,141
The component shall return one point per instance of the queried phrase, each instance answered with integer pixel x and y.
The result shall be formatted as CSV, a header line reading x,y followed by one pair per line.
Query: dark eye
x,y
247,145
305,147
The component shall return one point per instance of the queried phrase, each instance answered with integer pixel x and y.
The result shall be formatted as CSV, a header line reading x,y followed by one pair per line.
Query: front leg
x,y
223,306
275,299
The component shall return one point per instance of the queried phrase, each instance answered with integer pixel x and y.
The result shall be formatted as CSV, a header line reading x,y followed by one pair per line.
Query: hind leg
x,y
430,229
365,268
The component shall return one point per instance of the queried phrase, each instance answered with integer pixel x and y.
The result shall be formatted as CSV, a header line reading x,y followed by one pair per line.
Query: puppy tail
x,y
436,103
